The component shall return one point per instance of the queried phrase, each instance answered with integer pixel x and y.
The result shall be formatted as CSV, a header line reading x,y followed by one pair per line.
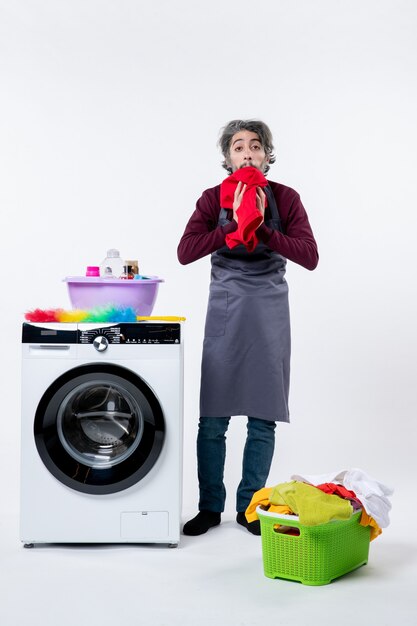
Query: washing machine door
x,y
99,428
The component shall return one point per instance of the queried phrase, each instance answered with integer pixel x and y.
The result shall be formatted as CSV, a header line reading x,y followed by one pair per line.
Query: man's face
x,y
246,149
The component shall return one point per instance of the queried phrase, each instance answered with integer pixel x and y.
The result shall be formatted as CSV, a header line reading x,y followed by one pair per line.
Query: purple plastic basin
x,y
86,292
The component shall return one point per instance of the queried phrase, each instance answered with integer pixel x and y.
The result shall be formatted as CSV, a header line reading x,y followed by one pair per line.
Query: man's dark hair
x,y
255,126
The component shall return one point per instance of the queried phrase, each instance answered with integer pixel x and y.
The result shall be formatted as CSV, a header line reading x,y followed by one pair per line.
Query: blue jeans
x,y
211,455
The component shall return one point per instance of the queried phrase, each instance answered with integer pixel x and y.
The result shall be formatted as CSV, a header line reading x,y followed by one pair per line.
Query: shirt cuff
x,y
264,233
229,228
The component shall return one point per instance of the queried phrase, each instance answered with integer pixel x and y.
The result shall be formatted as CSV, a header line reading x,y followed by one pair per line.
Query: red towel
x,y
249,216
339,490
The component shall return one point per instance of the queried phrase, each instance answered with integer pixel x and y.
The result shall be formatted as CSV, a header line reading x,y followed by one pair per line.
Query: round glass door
x,y
99,428
100,423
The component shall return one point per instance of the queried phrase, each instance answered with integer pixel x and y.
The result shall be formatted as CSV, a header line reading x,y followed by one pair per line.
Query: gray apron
x,y
246,353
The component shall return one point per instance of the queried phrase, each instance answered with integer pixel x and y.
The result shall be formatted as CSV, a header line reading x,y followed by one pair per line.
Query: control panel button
x,y
100,343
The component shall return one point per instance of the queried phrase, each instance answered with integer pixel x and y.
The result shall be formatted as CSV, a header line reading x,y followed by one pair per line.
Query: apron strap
x,y
273,208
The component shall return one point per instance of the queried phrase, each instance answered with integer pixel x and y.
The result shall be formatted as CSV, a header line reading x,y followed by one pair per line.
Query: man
x,y
250,226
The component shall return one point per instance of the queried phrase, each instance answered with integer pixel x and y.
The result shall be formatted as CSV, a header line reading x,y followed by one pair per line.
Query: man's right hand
x,y
239,191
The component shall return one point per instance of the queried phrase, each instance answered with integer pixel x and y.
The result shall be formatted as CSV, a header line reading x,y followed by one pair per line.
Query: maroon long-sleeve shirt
x,y
203,236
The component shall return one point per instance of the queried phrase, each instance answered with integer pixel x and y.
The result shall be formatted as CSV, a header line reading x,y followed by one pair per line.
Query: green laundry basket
x,y
316,556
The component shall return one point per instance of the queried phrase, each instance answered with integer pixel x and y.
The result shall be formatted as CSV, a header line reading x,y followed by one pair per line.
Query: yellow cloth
x,y
261,498
367,520
312,505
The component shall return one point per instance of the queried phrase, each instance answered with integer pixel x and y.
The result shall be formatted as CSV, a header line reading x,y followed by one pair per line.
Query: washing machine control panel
x,y
102,336
130,334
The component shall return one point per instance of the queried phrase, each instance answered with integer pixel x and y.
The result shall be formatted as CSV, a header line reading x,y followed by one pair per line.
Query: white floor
x,y
213,579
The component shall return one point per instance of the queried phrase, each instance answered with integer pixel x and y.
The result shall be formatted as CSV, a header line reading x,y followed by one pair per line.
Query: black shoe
x,y
252,527
201,523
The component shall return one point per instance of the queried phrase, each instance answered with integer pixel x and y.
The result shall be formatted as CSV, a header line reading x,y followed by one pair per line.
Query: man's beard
x,y
261,168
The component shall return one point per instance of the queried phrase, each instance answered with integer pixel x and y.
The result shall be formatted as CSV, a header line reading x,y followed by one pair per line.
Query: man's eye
x,y
256,147
238,148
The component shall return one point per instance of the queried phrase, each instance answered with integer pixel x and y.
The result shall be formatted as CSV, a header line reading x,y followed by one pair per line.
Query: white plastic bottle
x,y
107,272
112,261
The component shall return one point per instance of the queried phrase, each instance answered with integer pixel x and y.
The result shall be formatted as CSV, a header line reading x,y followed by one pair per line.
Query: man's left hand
x,y
260,200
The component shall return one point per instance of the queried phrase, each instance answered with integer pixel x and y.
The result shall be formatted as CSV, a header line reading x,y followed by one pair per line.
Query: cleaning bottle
x,y
107,272
113,261
127,273
92,270
134,264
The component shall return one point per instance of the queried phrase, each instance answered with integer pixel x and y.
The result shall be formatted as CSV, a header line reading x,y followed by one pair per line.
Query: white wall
x,y
109,116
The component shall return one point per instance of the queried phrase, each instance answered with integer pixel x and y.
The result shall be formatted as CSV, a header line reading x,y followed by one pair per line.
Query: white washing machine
x,y
102,409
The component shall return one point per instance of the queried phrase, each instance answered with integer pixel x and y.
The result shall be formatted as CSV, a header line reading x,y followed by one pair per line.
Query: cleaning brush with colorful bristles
x,y
101,314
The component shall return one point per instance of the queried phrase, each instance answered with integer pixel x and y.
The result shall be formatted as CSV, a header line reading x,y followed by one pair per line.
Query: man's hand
x,y
260,201
239,191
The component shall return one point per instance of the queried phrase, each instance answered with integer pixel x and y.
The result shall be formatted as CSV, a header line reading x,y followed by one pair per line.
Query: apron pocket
x,y
216,315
